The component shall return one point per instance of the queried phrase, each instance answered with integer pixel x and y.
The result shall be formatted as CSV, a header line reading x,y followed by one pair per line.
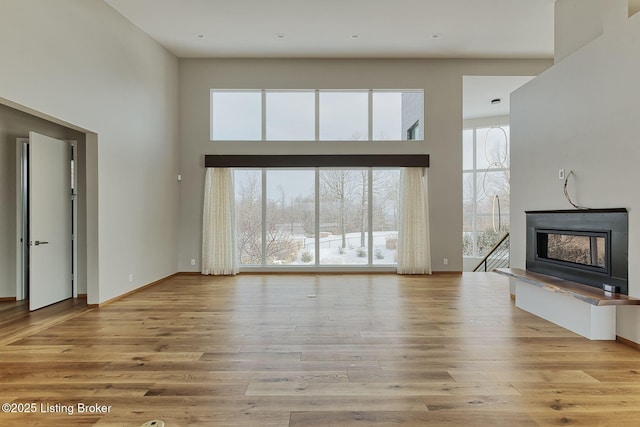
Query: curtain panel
x,y
219,241
414,251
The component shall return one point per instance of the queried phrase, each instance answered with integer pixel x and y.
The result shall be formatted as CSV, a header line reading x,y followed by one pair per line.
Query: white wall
x,y
582,115
578,22
442,84
83,63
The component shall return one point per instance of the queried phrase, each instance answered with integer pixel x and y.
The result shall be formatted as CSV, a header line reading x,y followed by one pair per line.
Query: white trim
x,y
370,215
21,291
263,202
377,268
263,113
317,124
74,209
316,219
370,117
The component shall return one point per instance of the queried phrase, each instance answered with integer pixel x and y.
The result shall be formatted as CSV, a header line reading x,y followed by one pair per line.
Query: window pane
x,y
491,184
291,116
387,116
236,115
467,193
386,185
248,184
344,116
467,149
489,230
290,217
467,235
586,250
492,147
343,216
412,115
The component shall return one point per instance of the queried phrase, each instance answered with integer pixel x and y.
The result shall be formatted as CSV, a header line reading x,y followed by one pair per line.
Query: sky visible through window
x,y
237,116
291,115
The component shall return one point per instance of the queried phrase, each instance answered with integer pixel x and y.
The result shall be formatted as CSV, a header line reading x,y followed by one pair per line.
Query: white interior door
x,y
50,221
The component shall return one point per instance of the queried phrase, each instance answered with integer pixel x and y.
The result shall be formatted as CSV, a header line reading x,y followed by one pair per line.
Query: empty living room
x,y
306,213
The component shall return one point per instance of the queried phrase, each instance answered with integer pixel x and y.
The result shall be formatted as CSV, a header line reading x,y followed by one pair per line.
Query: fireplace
x,y
584,246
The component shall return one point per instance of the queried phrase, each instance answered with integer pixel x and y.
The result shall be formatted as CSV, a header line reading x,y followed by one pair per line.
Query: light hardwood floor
x,y
313,350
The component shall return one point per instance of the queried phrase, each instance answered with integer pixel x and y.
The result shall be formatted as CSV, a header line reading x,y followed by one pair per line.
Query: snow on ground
x,y
353,254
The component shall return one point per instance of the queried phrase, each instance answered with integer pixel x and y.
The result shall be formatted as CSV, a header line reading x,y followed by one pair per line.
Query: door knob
x,y
38,243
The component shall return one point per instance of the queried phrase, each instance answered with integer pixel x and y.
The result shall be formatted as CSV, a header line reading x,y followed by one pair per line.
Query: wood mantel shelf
x,y
588,294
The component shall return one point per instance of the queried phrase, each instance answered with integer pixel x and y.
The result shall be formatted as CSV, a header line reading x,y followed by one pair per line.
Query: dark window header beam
x,y
316,160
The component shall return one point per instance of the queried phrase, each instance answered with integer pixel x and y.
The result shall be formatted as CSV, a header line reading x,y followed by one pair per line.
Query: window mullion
x,y
370,114
474,218
264,217
370,216
264,115
317,101
317,218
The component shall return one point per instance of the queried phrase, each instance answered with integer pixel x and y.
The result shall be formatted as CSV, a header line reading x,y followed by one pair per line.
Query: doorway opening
x,y
17,121
486,164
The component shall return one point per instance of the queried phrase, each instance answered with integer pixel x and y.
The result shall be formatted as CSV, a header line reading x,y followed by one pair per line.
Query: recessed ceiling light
x,y
199,36
280,35
436,36
495,101
355,36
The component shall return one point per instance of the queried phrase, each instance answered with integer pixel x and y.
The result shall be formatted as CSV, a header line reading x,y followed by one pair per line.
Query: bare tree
x,y
339,185
364,194
279,244
249,220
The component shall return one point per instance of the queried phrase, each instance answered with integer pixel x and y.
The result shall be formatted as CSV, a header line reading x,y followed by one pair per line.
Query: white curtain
x,y
219,241
414,251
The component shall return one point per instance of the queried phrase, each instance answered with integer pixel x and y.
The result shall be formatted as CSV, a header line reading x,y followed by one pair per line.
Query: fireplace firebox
x,y
584,246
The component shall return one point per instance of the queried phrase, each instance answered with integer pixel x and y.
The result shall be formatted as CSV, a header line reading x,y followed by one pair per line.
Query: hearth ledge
x,y
582,309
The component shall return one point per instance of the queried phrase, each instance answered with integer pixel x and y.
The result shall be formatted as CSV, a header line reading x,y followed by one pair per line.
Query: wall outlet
x,y
446,261
130,277
560,173
193,262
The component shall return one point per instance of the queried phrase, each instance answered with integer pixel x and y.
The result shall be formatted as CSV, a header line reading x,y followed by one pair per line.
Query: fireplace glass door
x,y
586,249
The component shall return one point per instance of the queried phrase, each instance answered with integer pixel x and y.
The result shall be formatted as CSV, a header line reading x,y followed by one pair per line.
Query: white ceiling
x,y
478,91
326,28
384,29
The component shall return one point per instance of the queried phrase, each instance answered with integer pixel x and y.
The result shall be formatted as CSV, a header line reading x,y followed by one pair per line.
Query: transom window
x,y
316,115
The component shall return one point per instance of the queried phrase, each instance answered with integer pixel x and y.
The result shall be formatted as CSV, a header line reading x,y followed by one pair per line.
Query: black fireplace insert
x,y
584,246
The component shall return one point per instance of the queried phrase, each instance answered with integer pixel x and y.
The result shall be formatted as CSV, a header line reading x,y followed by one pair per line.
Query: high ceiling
x,y
356,29
346,28
479,91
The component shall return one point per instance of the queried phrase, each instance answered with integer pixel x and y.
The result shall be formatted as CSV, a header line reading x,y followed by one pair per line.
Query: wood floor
x,y
307,350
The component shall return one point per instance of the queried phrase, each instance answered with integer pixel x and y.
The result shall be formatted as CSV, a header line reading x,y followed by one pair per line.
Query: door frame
x,y
22,247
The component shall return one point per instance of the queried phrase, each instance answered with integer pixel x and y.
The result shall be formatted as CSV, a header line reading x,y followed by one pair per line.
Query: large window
x,y
485,188
317,217
322,115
